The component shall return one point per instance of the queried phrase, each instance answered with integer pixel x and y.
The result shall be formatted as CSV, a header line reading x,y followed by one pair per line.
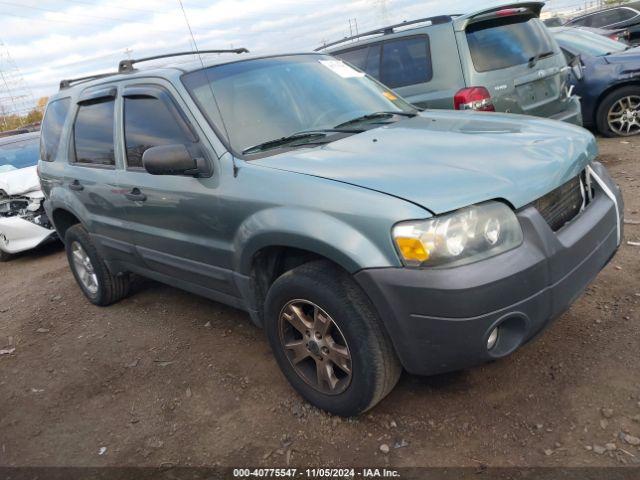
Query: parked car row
x,y
364,233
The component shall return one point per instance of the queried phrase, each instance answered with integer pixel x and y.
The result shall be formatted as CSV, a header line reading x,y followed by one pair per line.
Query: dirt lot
x,y
168,377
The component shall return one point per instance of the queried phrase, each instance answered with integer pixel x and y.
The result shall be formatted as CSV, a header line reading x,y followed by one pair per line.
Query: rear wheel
x,y
618,114
328,339
97,283
4,256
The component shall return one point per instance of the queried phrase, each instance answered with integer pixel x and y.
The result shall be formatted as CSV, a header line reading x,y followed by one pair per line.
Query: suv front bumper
x,y
440,319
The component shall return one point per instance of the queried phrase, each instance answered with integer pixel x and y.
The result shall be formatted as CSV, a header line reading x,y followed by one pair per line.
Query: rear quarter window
x,y
51,129
506,42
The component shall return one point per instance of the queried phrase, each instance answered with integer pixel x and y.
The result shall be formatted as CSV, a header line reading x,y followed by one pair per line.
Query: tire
x,y
602,113
4,256
108,288
374,366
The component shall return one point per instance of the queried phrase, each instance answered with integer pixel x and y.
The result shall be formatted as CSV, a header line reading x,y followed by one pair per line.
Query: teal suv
x,y
366,236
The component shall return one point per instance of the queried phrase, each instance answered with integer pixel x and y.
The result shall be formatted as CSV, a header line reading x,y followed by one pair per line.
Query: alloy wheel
x,y
84,268
623,117
315,347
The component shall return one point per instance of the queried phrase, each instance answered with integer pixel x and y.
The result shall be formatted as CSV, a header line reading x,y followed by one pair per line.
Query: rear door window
x,y
507,42
51,129
151,122
406,61
93,134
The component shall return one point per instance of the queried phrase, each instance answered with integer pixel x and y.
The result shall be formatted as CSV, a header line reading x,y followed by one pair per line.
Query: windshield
x,y
588,43
21,154
270,98
507,42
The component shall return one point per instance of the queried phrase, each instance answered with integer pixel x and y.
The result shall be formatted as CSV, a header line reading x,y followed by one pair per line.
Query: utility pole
x,y
15,95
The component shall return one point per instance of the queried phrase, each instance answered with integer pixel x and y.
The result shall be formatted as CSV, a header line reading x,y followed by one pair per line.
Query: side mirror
x,y
576,67
169,160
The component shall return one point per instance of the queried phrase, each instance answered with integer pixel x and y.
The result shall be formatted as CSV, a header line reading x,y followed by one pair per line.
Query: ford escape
x,y
364,235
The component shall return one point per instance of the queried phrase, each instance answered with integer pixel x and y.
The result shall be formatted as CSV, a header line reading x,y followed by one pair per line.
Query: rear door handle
x,y
136,195
75,185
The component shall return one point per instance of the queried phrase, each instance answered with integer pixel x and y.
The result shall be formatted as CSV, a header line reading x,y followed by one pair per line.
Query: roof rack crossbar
x,y
69,81
439,19
127,65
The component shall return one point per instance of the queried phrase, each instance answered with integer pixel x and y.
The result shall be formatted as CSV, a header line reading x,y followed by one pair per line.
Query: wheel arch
x,y
63,219
311,231
278,240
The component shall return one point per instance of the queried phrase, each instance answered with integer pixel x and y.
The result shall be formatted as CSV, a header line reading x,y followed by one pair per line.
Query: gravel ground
x,y
168,377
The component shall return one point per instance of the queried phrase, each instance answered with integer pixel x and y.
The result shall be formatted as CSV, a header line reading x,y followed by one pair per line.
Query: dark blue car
x,y
606,75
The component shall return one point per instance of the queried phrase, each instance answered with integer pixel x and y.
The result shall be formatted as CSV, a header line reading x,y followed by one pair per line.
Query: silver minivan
x,y
497,59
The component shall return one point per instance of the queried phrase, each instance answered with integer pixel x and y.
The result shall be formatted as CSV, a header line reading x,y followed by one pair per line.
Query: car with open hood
x,y
23,222
607,79
498,59
365,235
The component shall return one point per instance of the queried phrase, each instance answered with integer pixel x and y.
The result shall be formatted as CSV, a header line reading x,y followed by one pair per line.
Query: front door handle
x,y
75,185
136,195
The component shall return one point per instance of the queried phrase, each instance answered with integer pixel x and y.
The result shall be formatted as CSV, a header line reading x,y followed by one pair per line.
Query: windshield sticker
x,y
341,68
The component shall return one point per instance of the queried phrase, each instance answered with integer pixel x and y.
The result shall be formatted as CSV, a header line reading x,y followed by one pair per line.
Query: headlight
x,y
464,236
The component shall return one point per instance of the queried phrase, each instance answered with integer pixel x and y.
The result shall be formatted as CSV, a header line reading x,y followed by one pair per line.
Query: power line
x,y
123,8
51,20
32,7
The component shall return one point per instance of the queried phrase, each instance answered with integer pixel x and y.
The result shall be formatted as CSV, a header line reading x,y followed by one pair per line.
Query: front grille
x,y
562,204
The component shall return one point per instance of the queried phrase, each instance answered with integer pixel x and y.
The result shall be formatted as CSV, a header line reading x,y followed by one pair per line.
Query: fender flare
x,y
313,231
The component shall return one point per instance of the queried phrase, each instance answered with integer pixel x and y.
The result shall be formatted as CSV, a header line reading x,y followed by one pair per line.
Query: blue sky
x,y
53,39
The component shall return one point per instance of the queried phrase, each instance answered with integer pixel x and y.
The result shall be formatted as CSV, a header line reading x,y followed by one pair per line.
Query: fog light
x,y
493,338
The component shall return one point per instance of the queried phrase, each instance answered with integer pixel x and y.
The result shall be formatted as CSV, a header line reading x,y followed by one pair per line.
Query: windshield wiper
x,y
375,115
305,137
534,60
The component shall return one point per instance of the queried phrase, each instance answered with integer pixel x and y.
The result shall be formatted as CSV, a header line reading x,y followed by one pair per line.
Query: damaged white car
x,y
23,223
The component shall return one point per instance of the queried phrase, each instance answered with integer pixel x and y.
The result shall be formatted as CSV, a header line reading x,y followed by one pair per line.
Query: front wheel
x,y
328,339
618,114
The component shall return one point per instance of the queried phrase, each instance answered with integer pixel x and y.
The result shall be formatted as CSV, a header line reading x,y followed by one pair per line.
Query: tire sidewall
x,y
357,397
606,104
81,236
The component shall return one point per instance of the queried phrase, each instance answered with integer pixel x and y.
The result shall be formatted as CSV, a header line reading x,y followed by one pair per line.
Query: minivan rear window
x,y
507,42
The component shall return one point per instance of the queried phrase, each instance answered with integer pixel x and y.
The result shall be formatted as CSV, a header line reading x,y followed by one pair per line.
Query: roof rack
x,y
69,81
391,28
127,65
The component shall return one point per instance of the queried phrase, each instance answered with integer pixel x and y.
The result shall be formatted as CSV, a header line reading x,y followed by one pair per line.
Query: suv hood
x,y
22,181
444,160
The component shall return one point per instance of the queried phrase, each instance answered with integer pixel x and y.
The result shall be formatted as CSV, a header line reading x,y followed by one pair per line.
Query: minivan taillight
x,y
473,98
